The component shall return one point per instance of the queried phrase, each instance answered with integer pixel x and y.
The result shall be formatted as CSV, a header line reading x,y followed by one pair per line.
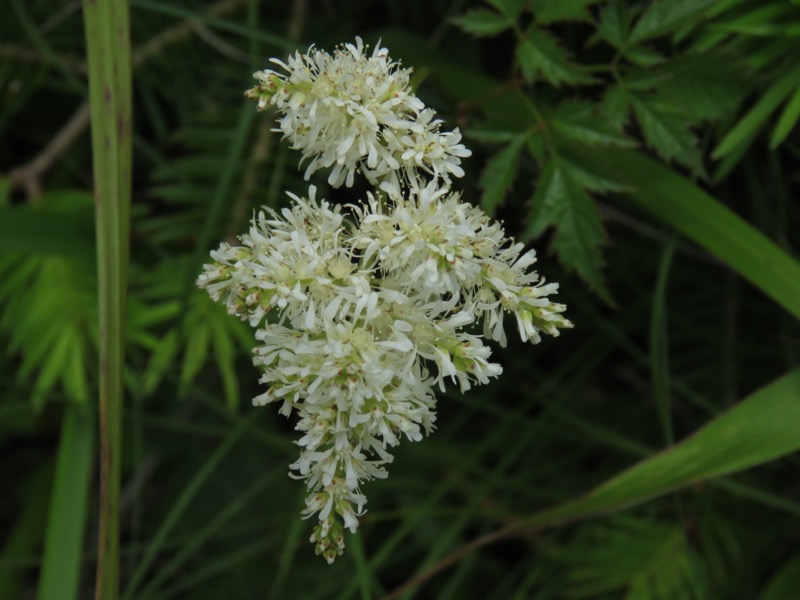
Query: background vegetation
x,y
648,149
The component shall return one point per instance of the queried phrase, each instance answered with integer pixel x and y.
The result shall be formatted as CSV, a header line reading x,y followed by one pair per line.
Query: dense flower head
x,y
362,311
353,111
359,319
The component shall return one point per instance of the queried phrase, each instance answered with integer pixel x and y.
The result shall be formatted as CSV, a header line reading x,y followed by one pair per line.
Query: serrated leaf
x,y
541,56
713,81
551,11
616,107
579,122
664,16
668,135
481,22
587,176
579,234
499,174
510,8
787,121
613,25
644,57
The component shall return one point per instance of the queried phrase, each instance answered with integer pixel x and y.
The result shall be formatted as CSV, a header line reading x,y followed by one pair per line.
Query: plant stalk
x,y
107,24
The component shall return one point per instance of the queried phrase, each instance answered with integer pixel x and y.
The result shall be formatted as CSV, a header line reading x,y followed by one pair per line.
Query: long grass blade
x,y
69,503
697,215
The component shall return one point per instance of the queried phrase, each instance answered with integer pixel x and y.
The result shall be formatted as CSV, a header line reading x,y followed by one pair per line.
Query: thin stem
x,y
109,60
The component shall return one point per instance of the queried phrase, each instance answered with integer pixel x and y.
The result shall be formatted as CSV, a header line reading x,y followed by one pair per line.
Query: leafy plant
x,y
650,145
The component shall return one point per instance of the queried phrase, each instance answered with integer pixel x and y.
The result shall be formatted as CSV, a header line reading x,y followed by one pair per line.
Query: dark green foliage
x,y
647,149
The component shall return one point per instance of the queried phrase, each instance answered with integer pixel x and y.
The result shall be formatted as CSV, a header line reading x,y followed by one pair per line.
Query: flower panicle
x,y
354,112
361,312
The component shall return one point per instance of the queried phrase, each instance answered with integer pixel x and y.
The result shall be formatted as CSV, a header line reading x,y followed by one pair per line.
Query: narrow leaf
x,y
787,121
745,130
69,503
761,428
698,216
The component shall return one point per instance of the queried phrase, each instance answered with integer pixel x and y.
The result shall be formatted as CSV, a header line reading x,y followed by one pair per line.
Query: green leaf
x,y
510,8
644,57
541,55
160,361
712,80
579,122
551,11
761,428
579,234
225,356
787,121
69,504
613,25
481,22
616,107
53,333
746,129
586,175
698,216
665,16
197,346
668,134
499,174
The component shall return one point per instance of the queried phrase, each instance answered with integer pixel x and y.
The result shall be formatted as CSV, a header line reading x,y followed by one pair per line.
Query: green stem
x,y
109,61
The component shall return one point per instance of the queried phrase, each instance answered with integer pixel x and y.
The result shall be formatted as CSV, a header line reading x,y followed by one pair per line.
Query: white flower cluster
x,y
361,311
356,113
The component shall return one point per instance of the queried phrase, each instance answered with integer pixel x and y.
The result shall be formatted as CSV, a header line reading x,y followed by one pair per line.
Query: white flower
x,y
352,111
360,311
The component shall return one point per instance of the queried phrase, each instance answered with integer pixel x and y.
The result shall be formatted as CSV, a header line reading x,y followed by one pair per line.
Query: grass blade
x,y
761,428
697,215
66,521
